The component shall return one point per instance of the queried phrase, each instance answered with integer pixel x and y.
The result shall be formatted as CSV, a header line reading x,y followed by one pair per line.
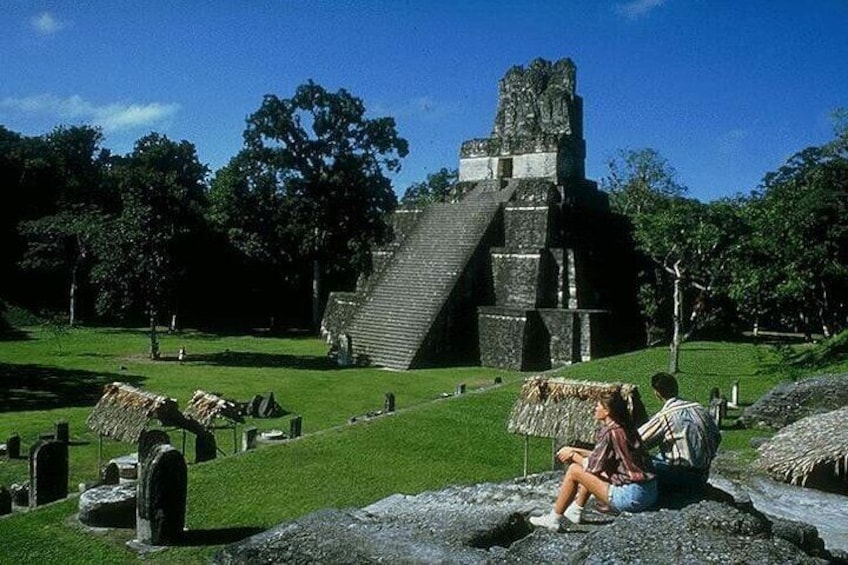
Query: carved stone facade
x,y
538,131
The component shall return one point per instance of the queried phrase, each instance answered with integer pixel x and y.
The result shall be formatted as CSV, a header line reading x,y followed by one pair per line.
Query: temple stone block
x,y
562,336
515,276
510,338
248,438
296,427
529,226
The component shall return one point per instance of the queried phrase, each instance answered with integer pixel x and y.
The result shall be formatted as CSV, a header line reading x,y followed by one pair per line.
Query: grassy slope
x,y
458,440
43,380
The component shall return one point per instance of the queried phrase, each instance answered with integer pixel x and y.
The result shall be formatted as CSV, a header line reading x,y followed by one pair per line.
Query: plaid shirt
x,y
618,460
685,432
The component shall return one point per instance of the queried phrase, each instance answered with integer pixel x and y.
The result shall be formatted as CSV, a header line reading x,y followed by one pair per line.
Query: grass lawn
x,y
427,444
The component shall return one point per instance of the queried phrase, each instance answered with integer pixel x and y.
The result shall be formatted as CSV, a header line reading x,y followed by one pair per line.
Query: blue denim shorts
x,y
633,497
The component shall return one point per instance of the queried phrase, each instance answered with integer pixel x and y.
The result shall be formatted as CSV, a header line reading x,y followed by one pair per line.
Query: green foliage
x,y
326,162
435,188
688,241
246,205
804,201
640,179
831,354
56,328
17,317
162,190
308,194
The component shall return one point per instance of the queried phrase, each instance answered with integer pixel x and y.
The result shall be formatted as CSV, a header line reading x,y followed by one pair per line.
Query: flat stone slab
x,y
108,506
127,466
827,512
487,523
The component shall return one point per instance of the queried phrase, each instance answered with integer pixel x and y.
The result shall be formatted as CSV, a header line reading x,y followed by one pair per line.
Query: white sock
x,y
574,513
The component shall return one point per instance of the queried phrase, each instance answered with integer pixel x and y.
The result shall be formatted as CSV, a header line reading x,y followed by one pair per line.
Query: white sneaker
x,y
574,513
550,521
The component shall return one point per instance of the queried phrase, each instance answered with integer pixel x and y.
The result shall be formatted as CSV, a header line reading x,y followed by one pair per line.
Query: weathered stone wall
x,y
529,226
538,99
524,166
340,309
477,168
512,339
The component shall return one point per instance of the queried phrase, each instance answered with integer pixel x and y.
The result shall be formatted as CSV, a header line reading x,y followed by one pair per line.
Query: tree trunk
x,y
154,337
316,294
824,313
677,317
72,307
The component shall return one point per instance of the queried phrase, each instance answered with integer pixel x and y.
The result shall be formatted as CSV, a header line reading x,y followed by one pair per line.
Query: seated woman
x,y
618,471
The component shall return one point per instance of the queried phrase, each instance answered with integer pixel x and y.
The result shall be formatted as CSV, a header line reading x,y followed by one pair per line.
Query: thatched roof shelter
x,y
205,407
811,450
124,411
565,409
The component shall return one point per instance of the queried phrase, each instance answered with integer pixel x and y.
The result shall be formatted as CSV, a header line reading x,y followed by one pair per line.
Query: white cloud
x,y
46,23
111,117
637,8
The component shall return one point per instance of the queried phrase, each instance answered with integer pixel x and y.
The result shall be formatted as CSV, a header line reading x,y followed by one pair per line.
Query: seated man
x,y
687,437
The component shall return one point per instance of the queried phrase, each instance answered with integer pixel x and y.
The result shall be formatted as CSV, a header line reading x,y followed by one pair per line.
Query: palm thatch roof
x,y
204,407
124,411
807,448
565,409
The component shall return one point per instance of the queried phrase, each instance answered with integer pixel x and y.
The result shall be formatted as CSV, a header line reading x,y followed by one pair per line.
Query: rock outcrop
x,y
487,523
789,402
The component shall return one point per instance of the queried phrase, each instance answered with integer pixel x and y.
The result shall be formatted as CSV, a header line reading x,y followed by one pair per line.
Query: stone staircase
x,y
391,326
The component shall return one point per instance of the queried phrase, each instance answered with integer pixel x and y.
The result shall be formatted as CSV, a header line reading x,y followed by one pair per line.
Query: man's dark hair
x,y
665,385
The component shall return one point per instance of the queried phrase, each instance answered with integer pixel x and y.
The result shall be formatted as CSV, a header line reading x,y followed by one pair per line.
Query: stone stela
x,y
161,502
48,472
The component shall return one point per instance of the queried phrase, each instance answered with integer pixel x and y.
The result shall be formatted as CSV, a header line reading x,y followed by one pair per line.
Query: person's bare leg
x,y
591,484
582,496
567,490
577,485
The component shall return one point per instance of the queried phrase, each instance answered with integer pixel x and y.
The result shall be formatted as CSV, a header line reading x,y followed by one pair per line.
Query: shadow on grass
x,y
39,387
218,536
13,334
282,360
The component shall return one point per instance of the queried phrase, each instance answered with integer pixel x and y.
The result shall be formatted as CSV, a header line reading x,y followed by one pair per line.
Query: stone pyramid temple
x,y
525,268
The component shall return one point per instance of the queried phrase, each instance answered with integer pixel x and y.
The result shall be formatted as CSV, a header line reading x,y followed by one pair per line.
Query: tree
x,y
251,215
315,160
640,182
435,188
162,191
684,238
26,185
640,179
63,240
803,207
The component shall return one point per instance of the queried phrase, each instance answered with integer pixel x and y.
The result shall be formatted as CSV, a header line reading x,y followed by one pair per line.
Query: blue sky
x,y
726,90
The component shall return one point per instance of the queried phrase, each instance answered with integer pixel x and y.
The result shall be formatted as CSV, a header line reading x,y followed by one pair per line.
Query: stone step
x,y
417,280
